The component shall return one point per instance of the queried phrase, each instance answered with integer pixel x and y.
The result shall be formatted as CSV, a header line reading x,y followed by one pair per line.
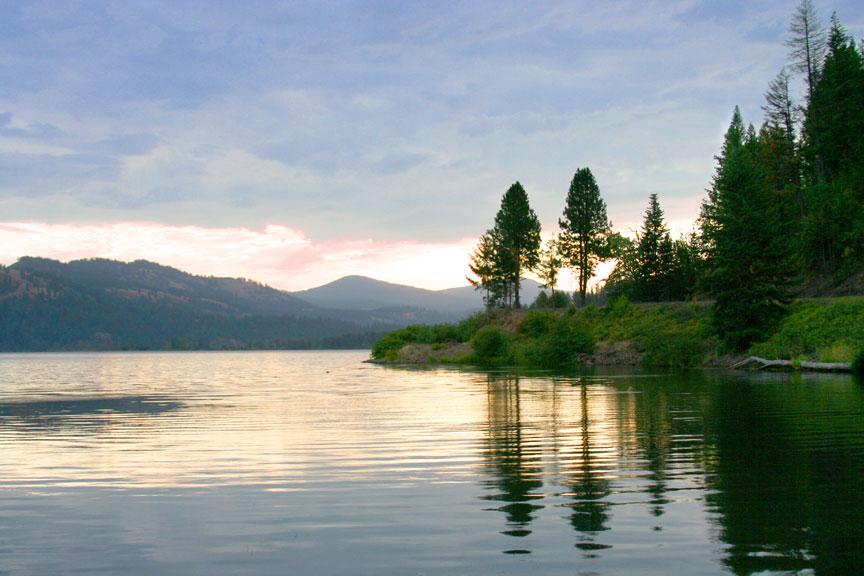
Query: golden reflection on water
x,y
615,469
165,420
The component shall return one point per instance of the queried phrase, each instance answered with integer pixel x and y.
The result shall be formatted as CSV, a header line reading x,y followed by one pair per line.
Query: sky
x,y
297,142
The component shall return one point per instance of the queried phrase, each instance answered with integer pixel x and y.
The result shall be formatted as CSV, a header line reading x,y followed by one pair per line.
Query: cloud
x,y
280,256
399,122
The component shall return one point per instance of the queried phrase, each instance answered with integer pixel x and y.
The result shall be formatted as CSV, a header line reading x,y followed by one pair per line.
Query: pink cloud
x,y
277,255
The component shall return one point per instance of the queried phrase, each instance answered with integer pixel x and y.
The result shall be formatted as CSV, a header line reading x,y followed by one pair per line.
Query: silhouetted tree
x,y
807,43
743,235
519,232
584,228
655,255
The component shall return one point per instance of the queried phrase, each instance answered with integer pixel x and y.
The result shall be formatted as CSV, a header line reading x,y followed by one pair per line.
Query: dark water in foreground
x,y
314,463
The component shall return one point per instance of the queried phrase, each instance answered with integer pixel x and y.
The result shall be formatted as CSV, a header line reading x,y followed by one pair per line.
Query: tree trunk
x,y
516,303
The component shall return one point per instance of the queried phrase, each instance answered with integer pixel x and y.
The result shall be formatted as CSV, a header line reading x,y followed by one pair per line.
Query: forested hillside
x,y
102,304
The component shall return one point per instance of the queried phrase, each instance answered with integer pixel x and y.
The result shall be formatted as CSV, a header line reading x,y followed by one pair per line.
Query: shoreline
x,y
825,335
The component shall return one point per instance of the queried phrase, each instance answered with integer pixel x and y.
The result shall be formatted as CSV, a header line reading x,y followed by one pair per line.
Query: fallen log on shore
x,y
762,363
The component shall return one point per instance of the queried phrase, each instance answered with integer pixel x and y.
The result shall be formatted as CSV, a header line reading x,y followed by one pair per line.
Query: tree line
x,y
784,212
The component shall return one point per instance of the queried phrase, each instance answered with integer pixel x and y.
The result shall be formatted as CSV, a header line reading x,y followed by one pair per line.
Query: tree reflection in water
x,y
513,456
590,486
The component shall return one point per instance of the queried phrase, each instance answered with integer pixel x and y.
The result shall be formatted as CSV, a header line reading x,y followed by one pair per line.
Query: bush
x,y
542,301
552,340
827,330
490,345
387,347
677,349
559,300
466,329
538,323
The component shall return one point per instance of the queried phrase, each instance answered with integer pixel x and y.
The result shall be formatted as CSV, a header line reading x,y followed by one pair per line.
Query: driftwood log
x,y
762,363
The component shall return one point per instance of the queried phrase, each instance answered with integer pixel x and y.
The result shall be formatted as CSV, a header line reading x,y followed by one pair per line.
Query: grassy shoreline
x,y
674,335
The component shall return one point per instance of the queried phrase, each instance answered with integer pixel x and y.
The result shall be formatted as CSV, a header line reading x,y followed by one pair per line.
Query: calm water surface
x,y
315,463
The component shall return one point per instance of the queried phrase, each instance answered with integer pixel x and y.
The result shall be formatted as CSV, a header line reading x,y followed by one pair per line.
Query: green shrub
x,y
542,301
387,347
559,300
619,307
490,345
552,341
817,328
537,323
684,348
466,329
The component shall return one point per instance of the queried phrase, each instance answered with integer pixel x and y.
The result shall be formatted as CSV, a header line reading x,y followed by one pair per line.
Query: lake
x,y
316,463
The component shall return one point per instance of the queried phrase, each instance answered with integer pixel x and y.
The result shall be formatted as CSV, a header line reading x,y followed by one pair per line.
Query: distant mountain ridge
x,y
364,293
105,304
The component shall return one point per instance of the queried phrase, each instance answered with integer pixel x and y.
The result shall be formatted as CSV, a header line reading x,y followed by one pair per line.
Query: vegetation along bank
x,y
677,335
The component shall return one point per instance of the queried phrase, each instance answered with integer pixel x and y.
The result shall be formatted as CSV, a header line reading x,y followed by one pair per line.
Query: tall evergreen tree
x,y
491,267
806,43
584,228
780,158
834,153
519,229
779,108
743,235
655,255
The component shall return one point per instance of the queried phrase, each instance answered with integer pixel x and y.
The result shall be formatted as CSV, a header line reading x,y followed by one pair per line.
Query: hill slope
x,y
363,293
104,304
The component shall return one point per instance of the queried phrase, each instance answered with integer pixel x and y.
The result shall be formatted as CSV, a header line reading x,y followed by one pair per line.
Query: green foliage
x,y
551,340
537,323
654,255
747,256
490,345
834,159
822,330
584,228
507,250
679,347
555,301
466,329
388,346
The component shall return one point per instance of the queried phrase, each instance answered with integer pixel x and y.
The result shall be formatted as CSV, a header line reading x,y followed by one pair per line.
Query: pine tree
x,y
519,230
655,255
491,267
742,232
834,153
779,108
584,228
834,118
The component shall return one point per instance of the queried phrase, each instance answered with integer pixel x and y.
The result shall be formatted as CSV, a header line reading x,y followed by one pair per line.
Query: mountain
x,y
363,293
146,280
105,304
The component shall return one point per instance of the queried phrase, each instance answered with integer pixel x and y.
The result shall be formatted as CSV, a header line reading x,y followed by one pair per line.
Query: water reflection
x,y
52,413
590,482
514,456
789,477
776,463
316,463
